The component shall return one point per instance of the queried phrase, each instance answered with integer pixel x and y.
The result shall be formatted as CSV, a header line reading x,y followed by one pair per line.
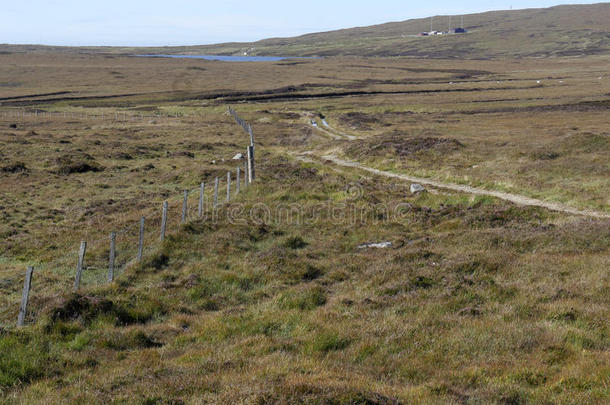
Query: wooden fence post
x,y
79,265
246,173
164,221
201,194
216,192
250,164
141,241
25,296
228,186
237,180
112,257
185,206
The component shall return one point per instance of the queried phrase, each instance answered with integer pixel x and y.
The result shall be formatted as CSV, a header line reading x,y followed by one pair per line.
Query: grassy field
x,y
274,299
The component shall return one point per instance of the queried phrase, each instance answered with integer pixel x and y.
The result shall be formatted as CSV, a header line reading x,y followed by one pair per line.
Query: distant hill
x,y
567,30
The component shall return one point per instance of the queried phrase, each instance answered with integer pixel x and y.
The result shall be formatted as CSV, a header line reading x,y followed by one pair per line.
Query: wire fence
x,y
117,116
105,259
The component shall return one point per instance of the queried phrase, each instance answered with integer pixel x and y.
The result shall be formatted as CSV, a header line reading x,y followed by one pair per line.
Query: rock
x,y
239,156
382,245
417,188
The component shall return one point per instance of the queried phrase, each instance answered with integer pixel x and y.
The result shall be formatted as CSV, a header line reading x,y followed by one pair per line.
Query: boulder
x,y
417,188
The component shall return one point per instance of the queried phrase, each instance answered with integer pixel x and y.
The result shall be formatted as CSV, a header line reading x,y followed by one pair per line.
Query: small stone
x,y
417,188
239,156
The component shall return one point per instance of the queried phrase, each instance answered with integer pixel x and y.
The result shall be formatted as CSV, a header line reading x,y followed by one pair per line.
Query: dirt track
x,y
514,198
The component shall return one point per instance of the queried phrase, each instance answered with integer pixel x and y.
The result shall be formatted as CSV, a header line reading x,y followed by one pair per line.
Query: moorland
x,y
275,297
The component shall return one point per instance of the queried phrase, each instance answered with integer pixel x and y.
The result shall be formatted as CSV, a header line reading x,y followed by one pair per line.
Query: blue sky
x,y
181,22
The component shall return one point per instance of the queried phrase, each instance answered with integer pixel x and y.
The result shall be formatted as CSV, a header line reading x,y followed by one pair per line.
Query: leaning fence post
x,y
79,265
228,186
164,221
216,192
201,194
250,163
237,181
185,206
141,241
112,257
25,296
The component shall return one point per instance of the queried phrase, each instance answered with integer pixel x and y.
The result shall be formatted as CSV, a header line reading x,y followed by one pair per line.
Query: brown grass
x,y
477,300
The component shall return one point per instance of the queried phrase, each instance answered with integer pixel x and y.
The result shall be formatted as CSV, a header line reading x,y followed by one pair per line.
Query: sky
x,y
181,22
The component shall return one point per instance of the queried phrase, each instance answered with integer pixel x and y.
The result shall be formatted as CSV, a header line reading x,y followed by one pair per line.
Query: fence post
x,y
216,192
185,206
201,193
141,241
250,163
25,296
228,186
112,257
164,221
79,265
237,181
246,173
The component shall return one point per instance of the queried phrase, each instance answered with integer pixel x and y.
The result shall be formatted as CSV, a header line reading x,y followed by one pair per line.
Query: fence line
x,y
116,260
118,116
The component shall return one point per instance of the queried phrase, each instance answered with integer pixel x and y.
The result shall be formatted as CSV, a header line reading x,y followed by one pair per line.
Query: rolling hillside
x,y
558,31
568,30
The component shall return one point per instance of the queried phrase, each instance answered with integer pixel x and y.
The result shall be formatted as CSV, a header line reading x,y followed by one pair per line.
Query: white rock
x,y
382,245
239,156
417,188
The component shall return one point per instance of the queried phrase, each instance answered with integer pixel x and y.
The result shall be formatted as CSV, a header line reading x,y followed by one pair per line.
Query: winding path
x,y
514,198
